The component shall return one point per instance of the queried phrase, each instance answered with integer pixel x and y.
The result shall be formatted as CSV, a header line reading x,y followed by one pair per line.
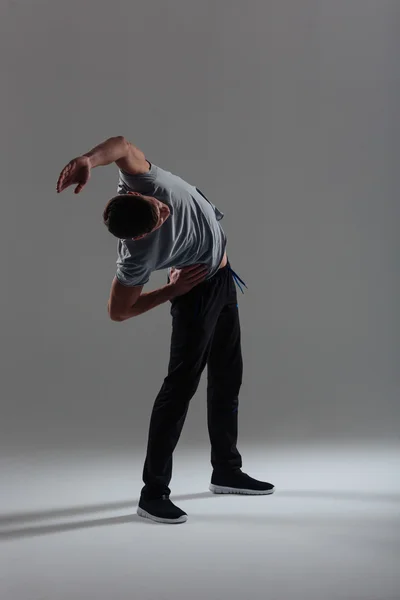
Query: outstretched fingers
x,y
63,180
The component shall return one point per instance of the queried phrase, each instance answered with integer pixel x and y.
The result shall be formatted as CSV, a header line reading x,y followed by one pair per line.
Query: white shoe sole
x,y
221,489
146,515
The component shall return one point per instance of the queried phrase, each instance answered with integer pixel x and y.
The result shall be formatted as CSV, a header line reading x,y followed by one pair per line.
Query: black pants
x,y
205,331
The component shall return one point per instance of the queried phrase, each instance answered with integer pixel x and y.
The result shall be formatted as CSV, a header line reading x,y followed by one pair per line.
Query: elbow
x,y
115,316
122,140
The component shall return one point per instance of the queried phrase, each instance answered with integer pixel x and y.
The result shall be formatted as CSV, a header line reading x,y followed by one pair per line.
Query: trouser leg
x,y
193,321
225,370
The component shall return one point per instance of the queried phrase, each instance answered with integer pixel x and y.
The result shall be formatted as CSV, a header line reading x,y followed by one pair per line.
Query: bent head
x,y
133,215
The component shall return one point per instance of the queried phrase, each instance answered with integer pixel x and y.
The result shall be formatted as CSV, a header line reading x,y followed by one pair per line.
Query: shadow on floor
x,y
12,524
76,511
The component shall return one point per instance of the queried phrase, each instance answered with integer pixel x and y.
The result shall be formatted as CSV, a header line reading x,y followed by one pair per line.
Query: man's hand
x,y
76,172
183,280
116,149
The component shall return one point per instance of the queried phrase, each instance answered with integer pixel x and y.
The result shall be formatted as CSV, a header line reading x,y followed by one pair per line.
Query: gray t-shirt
x,y
191,234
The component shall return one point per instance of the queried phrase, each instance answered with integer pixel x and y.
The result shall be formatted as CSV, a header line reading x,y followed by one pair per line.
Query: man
x,y
163,222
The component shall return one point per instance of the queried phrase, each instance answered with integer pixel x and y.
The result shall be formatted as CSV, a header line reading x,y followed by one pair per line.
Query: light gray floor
x,y
331,531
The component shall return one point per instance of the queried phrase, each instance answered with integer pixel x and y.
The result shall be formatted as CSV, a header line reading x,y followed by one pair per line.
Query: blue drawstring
x,y
237,279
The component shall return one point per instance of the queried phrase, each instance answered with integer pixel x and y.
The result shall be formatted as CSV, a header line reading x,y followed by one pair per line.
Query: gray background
x,y
285,113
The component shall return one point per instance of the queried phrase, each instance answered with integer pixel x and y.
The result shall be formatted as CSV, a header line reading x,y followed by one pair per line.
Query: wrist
x,y
171,290
89,160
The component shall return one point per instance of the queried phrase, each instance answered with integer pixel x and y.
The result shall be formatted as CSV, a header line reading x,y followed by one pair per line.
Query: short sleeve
x,y
142,182
130,272
130,276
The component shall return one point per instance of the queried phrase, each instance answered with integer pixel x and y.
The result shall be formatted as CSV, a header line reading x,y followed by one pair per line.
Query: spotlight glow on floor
x,y
69,528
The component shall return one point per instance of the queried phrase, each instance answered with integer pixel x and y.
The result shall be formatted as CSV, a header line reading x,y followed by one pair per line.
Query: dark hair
x,y
127,216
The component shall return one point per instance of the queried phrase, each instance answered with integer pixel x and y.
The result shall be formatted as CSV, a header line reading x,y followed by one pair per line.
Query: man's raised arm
x,y
108,152
115,149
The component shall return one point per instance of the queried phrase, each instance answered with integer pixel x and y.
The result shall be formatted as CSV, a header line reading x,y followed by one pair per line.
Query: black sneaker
x,y
161,510
239,483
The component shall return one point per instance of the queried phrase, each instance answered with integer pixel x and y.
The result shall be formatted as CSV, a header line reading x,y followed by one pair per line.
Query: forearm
x,y
150,300
108,152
